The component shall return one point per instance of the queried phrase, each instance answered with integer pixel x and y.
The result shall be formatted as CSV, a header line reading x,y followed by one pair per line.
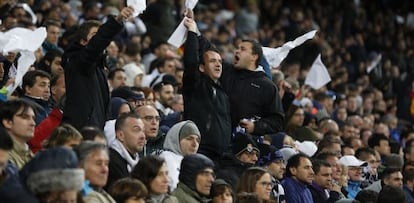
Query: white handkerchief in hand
x,y
179,35
26,59
19,39
374,63
318,75
275,56
138,5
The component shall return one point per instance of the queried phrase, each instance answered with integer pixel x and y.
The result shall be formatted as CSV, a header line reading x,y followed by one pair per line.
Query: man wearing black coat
x,y
205,102
87,92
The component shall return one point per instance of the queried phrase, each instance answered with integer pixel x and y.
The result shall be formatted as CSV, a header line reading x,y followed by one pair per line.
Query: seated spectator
x,y
65,136
93,133
152,171
127,190
182,139
355,167
196,178
53,176
390,176
367,196
94,159
258,181
322,188
221,192
390,194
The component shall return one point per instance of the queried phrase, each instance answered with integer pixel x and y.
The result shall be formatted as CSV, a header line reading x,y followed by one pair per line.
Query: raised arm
x,y
191,55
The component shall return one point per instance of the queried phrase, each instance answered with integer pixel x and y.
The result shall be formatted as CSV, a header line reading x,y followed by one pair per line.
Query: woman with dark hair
x,y
153,172
294,119
129,190
258,181
221,192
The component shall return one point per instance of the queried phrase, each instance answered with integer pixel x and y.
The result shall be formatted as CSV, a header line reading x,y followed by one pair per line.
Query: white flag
x,y
275,56
138,5
179,35
374,63
26,42
318,75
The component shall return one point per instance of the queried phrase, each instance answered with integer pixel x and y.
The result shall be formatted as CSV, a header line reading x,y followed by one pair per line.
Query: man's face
x,y
336,168
40,89
55,65
53,34
373,164
96,168
243,57
22,126
166,95
189,145
248,157
355,173
151,119
132,135
395,179
59,89
118,80
212,65
204,180
324,177
169,67
383,148
277,169
304,172
92,32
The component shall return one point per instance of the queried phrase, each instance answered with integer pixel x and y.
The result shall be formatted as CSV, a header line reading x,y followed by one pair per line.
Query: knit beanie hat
x,y
268,154
54,169
191,166
243,142
189,128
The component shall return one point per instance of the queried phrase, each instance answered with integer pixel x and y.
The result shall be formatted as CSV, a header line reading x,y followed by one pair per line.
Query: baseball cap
x,y
350,160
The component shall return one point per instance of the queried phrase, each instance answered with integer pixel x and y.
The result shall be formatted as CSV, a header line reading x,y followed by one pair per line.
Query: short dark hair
x,y
125,188
362,153
46,62
11,107
367,196
147,169
29,79
325,155
317,164
408,175
388,171
212,49
120,121
256,49
375,139
112,73
390,193
294,162
90,132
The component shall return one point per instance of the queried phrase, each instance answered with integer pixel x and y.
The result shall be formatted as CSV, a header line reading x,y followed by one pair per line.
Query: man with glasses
x,y
272,160
355,169
299,174
155,137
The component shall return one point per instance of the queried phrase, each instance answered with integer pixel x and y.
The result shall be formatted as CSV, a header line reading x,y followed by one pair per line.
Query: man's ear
x,y
7,123
255,58
201,68
120,136
293,171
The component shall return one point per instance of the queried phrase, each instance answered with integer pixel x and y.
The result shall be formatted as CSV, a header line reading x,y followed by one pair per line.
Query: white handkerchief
x,y
138,5
18,39
374,63
275,56
318,75
179,35
26,59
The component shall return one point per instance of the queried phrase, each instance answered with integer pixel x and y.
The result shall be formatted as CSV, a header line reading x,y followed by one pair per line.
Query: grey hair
x,y
85,148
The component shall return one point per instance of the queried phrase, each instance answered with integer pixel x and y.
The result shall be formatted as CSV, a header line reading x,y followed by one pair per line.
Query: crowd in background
x,y
111,112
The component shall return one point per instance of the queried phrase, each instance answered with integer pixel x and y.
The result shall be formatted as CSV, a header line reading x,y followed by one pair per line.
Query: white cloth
x,y
109,131
179,35
147,79
163,109
119,147
173,162
318,75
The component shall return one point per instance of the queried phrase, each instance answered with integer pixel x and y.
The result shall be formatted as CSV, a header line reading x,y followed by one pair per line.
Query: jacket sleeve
x,y
273,121
98,43
191,61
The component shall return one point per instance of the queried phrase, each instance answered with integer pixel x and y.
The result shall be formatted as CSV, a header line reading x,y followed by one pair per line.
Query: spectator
x,y
390,176
391,194
94,159
123,152
355,167
18,118
86,88
164,94
196,177
206,103
93,134
153,172
182,139
51,62
256,180
53,32
322,188
367,196
116,78
128,190
221,192
154,136
380,143
65,136
299,174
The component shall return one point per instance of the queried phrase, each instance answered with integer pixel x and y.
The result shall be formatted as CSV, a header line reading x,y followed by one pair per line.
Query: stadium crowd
x,y
112,111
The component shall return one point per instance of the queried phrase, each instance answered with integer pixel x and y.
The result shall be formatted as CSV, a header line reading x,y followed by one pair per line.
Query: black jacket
x,y
87,92
230,169
252,95
205,103
118,168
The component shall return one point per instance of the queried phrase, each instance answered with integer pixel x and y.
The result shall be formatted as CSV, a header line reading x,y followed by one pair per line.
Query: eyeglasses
x,y
152,118
266,184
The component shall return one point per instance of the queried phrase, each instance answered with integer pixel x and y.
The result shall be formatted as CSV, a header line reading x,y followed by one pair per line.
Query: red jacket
x,y
44,129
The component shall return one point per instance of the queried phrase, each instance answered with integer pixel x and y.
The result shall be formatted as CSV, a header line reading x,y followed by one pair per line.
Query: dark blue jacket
x,y
296,192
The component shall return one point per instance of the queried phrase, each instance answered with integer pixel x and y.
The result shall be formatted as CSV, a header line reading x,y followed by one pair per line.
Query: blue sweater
x,y
296,192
